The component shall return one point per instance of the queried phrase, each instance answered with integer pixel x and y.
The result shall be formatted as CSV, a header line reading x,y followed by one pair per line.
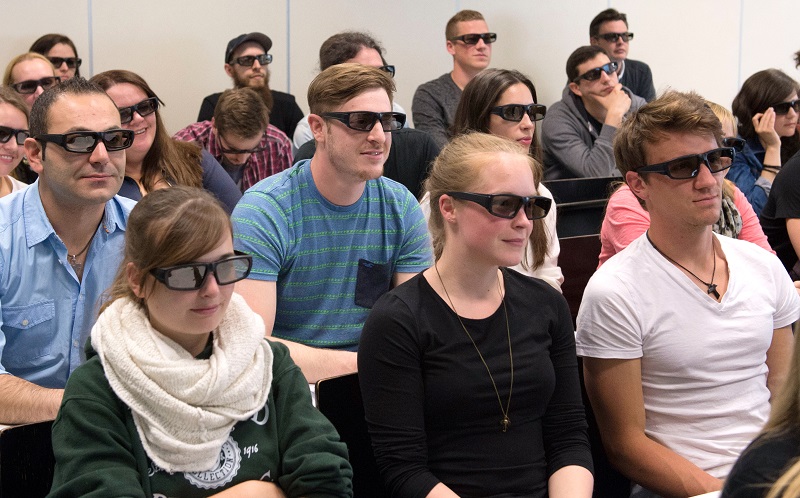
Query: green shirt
x,y
98,451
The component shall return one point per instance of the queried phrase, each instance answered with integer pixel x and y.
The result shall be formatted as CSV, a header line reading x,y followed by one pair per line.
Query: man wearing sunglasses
x,y
246,59
241,138
469,41
609,30
347,46
685,334
61,243
578,130
330,235
412,151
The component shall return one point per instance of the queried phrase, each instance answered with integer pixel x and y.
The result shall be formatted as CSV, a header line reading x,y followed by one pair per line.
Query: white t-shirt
x,y
703,362
550,272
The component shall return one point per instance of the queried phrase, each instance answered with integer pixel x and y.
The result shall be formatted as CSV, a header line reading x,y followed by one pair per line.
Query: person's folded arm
x,y
614,387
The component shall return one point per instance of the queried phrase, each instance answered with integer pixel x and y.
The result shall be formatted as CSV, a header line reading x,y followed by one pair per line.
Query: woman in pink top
x,y
626,219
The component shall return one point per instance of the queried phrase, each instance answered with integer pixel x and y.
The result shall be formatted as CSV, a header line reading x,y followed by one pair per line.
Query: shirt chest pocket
x,y
29,331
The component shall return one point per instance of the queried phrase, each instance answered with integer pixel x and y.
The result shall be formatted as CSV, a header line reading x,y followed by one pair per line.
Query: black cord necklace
x,y
712,287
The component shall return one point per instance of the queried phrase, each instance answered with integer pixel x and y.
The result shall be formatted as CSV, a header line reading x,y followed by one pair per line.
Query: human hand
x,y
616,104
252,489
764,125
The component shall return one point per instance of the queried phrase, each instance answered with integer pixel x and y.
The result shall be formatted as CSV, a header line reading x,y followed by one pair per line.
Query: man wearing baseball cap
x,y
246,60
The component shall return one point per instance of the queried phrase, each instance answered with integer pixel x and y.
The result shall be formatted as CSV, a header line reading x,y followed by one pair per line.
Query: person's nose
x,y
99,155
705,178
210,286
376,134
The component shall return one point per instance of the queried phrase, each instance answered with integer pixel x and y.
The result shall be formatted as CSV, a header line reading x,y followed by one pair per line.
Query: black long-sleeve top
x,y
432,412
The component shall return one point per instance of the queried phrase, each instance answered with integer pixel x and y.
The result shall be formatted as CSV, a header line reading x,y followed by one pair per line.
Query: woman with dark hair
x,y
767,108
61,52
13,132
181,395
155,160
470,389
503,103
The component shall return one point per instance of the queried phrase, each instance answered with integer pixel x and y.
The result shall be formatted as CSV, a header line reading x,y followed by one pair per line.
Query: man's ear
x,y
134,277
34,151
450,48
229,70
317,125
637,184
574,88
593,40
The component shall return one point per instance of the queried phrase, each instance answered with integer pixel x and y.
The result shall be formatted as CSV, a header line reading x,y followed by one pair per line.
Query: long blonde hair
x,y
457,167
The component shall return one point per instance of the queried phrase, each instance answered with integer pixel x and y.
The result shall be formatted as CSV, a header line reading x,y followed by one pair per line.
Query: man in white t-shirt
x,y
685,334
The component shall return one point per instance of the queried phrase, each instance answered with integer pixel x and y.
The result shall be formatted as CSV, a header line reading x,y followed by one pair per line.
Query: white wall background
x,y
710,46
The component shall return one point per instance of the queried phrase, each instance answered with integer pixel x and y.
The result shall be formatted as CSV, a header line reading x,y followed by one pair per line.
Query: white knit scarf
x,y
184,408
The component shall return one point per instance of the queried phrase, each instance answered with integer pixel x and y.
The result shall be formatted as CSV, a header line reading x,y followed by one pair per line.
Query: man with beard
x,y
330,235
241,138
246,60
61,244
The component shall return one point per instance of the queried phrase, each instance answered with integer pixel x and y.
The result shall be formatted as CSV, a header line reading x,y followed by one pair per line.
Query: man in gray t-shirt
x,y
435,102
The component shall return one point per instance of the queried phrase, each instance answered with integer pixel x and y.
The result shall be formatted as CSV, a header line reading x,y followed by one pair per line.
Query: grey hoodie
x,y
572,146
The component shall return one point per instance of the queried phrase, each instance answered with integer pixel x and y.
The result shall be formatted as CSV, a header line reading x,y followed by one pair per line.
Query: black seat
x,y
581,203
26,460
578,261
339,399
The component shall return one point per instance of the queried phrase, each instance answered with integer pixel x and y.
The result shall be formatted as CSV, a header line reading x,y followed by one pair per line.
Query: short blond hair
x,y
342,82
451,30
27,56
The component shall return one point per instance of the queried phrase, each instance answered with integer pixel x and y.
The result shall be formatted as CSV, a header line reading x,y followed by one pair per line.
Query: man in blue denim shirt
x,y
61,242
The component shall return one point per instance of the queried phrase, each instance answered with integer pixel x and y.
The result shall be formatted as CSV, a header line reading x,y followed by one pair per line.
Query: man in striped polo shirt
x,y
331,235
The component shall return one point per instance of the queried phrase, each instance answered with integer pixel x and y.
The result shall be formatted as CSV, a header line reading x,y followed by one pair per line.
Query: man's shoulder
x,y
637,66
122,205
390,189
282,97
11,209
200,131
442,84
213,98
280,187
276,134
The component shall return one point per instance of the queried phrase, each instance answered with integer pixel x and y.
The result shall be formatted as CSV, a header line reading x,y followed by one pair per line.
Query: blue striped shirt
x,y
330,262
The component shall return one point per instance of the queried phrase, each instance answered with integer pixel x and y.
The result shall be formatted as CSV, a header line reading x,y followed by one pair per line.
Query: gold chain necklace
x,y
505,422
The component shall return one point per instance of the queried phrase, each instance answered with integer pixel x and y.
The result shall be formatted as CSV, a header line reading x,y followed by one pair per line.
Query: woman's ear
x,y
447,208
134,276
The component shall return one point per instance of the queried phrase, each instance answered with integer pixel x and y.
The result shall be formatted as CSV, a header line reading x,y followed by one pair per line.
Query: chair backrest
x,y
578,260
339,399
26,460
581,204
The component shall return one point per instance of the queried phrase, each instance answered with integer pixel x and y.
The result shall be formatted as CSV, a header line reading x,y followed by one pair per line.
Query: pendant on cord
x,y
505,423
712,289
